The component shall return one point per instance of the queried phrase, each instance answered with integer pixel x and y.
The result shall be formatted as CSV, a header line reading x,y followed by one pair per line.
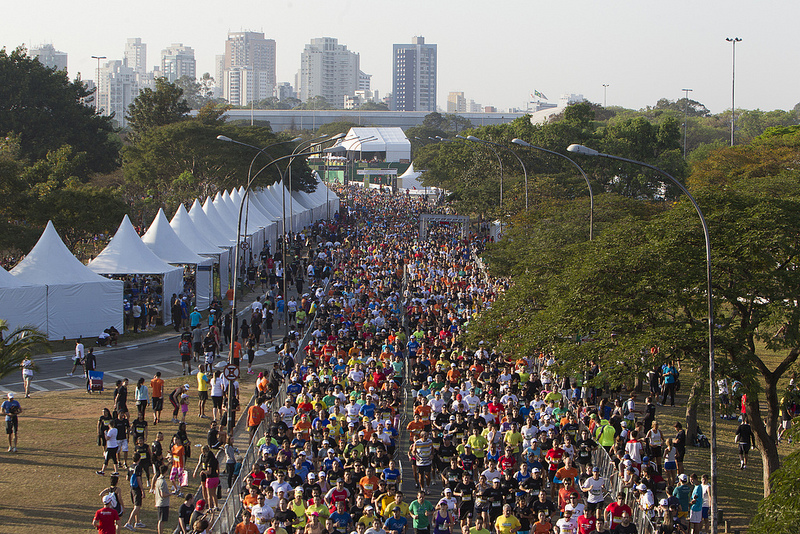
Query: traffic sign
x,y
231,372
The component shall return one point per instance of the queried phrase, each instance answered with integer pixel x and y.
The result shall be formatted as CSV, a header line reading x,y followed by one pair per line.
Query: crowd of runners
x,y
394,424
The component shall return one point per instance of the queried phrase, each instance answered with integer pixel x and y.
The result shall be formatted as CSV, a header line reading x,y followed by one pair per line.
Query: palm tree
x,y
18,345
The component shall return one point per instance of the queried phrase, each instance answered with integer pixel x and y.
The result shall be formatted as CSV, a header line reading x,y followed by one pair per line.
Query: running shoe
x,y
98,472
140,525
128,526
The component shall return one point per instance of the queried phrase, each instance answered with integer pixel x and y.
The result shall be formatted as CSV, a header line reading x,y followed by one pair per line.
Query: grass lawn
x,y
739,491
50,485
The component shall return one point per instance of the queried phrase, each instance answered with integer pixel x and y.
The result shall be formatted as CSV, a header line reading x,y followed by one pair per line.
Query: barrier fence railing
x,y
226,520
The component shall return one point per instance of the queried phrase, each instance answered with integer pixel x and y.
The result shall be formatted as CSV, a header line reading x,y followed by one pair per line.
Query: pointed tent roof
x,y
254,214
50,262
204,225
9,280
187,231
127,254
218,220
162,239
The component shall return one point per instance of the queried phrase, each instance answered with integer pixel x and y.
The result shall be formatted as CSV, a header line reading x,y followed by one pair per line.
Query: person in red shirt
x,y
106,519
614,511
507,461
554,459
587,523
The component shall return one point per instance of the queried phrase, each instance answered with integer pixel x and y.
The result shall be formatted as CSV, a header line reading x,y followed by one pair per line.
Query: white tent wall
x,y
165,243
205,227
277,221
22,305
269,203
79,302
186,230
292,221
173,285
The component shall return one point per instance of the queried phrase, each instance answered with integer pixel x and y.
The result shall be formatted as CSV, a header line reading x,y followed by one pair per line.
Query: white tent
x,y
126,254
256,212
272,206
229,208
391,141
23,304
219,221
215,235
409,182
327,199
165,243
79,301
188,232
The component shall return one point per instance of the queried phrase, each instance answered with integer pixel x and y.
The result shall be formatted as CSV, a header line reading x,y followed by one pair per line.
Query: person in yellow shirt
x,y
513,438
479,445
202,388
299,508
319,507
480,526
397,501
507,523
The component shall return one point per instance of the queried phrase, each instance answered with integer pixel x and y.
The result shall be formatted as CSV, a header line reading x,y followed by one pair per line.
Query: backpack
x,y
185,347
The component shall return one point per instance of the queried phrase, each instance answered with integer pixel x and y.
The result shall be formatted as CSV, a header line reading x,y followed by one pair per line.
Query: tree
x,y
152,108
373,106
44,110
198,93
333,128
316,102
18,345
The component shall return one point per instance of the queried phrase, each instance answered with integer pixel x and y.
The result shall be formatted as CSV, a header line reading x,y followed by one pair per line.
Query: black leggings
x,y
111,456
175,407
230,467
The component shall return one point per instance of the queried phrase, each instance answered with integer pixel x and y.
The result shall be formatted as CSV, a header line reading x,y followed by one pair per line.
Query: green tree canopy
x,y
158,107
45,110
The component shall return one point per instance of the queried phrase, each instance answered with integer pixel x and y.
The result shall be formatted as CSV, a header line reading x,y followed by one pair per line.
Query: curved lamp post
x,y
500,161
520,142
250,178
586,151
524,170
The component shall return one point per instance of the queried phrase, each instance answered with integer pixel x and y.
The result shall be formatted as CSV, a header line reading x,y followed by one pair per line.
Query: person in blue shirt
x,y
696,505
194,318
670,374
11,409
368,409
391,474
396,524
412,347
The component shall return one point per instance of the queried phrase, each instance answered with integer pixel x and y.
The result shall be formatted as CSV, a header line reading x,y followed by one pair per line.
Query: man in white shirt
x,y
594,487
436,403
262,514
567,524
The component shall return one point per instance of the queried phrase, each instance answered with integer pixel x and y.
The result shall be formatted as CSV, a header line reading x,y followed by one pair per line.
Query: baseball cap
x,y
448,490
368,507
201,504
641,487
186,386
628,463
106,498
536,470
495,480
396,509
569,508
683,477
331,451
595,469
312,475
10,395
271,530
664,502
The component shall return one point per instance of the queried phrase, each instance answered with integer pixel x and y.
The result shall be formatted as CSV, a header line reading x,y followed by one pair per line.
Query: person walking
x,y
744,438
142,396
27,375
11,410
106,519
136,312
156,393
162,494
80,355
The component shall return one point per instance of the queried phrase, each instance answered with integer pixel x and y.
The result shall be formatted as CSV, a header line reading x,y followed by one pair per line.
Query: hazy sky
x,y
497,53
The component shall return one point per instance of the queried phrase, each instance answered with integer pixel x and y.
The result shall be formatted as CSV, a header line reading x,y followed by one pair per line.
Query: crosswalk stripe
x,y
65,383
37,387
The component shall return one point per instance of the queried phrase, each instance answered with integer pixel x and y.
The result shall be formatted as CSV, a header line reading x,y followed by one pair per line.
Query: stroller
x,y
95,382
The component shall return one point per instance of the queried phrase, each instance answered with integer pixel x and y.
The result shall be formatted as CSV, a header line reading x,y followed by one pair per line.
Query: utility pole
x,y
685,118
733,42
605,94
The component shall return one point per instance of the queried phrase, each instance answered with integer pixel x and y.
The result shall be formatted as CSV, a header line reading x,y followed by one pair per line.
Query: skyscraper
x,y
49,56
456,103
328,69
177,61
118,86
414,76
135,55
249,62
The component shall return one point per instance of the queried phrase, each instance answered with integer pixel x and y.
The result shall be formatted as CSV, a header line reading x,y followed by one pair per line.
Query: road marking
x,y
64,383
162,369
38,387
114,375
132,347
58,358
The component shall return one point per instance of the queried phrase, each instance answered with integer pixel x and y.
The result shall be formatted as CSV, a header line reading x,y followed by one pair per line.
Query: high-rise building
x,y
249,61
330,70
285,91
49,56
118,86
364,81
135,55
178,61
456,103
414,76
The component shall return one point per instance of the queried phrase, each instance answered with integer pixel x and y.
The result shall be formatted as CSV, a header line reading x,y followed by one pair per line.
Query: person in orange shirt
x,y
255,414
157,396
369,483
178,453
246,526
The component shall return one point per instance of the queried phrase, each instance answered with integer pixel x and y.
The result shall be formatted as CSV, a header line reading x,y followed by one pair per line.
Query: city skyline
x,y
497,55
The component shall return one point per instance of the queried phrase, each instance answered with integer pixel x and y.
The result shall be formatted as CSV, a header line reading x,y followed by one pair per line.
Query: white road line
x,y
58,358
38,387
162,369
132,347
113,375
65,383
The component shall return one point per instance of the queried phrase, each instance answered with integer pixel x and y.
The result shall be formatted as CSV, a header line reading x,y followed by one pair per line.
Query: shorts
x,y
158,403
744,448
202,395
670,466
175,473
426,530
123,445
679,454
592,506
695,516
217,402
211,482
12,426
198,348
655,451
136,496
424,468
706,510
186,357
163,513
465,512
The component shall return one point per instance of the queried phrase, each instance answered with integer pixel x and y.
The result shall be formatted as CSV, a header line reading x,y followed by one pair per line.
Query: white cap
x,y
107,498
641,487
569,508
10,395
664,502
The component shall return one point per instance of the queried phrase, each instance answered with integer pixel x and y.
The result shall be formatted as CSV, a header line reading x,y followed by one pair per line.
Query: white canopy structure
x,y
165,243
23,304
215,235
196,240
126,254
409,182
250,227
390,142
79,301
256,215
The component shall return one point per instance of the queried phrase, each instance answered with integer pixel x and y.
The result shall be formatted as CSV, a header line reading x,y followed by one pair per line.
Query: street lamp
x,y
520,142
733,42
97,84
685,118
524,170
586,151
289,168
605,93
500,161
